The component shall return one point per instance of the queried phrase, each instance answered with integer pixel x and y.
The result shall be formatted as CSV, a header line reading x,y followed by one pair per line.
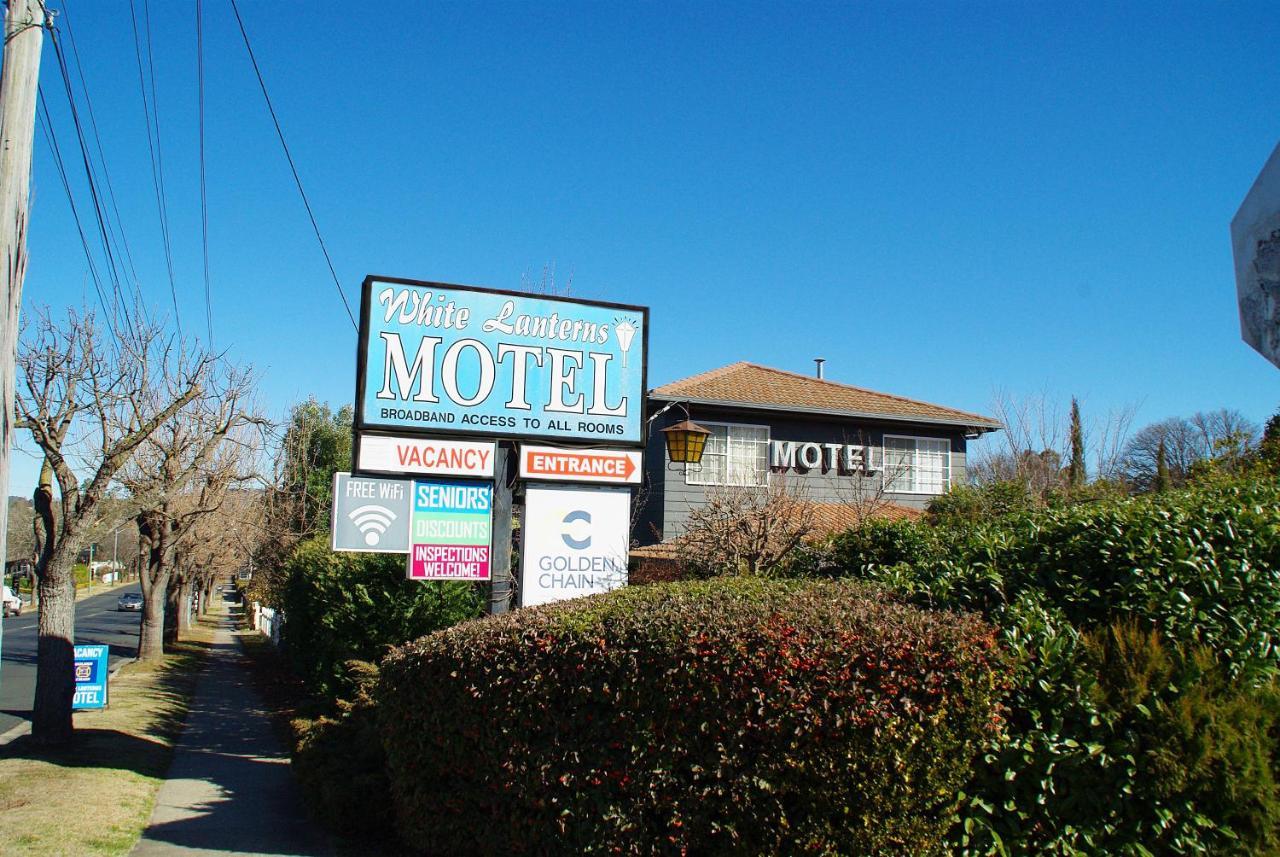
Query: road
x,y
97,622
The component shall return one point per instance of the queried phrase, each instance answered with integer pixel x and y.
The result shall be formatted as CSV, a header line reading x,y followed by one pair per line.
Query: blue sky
x,y
943,200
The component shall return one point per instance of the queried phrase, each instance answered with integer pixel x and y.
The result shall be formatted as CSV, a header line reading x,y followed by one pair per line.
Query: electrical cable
x,y
102,158
46,126
289,157
103,228
156,181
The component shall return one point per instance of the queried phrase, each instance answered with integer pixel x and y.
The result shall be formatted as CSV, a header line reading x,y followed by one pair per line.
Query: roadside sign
x,y
455,360
428,456
1255,244
451,530
91,677
618,466
370,514
574,542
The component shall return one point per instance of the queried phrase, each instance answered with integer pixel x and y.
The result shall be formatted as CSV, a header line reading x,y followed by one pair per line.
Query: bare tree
x,y
182,472
89,401
745,530
1037,440
1186,442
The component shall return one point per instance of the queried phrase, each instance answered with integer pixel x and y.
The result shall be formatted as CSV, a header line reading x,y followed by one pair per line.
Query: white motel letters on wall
x,y
842,457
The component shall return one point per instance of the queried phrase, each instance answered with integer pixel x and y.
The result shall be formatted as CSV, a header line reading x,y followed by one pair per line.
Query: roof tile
x,y
751,384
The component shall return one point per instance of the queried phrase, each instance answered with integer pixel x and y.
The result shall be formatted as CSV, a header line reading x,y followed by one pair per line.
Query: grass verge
x,y
94,797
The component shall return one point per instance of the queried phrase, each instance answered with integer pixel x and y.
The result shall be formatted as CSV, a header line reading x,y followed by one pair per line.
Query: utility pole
x,y
500,560
24,23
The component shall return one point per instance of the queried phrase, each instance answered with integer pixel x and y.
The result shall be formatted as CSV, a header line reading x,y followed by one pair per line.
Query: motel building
x,y
844,449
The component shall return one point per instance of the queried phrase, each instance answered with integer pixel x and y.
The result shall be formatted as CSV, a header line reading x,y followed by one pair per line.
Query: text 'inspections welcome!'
x,y
461,360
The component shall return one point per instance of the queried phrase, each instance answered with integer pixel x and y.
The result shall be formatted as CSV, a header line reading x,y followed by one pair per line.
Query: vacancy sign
x,y
91,677
574,542
617,466
451,530
430,457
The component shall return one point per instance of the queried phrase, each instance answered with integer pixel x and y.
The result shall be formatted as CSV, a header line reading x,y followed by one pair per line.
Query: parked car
x,y
129,601
12,603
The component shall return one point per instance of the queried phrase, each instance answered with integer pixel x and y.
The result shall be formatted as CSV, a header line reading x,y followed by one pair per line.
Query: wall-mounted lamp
x,y
972,433
685,441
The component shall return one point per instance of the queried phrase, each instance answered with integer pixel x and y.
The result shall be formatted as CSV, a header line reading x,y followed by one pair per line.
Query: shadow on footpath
x,y
230,787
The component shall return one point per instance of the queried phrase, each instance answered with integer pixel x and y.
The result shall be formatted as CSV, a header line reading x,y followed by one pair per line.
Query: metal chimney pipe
x,y
819,361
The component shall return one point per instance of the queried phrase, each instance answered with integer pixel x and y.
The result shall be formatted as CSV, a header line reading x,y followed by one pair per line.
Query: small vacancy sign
x,y
91,677
619,466
451,530
428,456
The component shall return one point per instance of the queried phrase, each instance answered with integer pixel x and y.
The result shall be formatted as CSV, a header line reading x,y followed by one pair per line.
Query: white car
x,y
12,603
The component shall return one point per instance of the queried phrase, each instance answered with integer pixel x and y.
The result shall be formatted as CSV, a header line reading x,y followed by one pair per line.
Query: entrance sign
x,y
461,360
619,466
574,542
91,677
370,515
451,530
433,457
1255,243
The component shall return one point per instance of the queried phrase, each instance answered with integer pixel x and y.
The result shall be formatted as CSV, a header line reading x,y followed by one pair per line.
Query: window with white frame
x,y
734,455
916,465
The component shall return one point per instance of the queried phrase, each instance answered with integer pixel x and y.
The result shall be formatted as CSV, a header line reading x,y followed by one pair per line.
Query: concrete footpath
x,y
230,789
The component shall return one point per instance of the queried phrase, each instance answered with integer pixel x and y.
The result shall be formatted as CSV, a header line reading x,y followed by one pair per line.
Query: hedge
x,y
1099,756
355,606
733,716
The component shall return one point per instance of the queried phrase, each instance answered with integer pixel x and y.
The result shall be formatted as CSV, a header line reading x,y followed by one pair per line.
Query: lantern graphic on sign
x,y
626,332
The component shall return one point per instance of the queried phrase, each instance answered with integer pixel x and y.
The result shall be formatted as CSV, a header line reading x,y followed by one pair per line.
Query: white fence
x,y
268,621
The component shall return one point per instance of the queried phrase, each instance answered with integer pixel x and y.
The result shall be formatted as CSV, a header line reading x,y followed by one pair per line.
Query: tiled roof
x,y
749,384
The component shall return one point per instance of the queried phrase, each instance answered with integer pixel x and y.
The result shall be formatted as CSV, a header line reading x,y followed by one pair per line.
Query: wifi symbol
x,y
371,520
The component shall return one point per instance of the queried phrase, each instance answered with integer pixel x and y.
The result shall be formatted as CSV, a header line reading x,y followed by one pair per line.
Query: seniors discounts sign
x,y
450,530
459,360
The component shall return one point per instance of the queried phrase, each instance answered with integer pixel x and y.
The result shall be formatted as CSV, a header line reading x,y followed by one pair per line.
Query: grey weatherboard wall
x,y
668,499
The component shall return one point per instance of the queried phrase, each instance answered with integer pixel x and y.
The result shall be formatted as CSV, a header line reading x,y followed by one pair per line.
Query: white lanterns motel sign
x,y
841,457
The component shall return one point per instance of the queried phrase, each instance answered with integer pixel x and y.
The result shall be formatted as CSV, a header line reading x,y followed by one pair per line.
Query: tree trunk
x,y
172,609
153,574
151,634
184,607
55,672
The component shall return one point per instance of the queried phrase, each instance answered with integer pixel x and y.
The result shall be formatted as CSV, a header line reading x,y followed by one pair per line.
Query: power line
x,y
289,157
46,126
157,167
104,230
204,194
102,158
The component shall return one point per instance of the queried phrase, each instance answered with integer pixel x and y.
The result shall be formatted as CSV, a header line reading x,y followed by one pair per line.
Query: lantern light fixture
x,y
685,442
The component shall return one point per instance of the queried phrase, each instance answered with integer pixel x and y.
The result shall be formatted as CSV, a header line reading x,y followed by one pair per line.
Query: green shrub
x,y
352,606
340,765
1143,714
740,716
879,544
